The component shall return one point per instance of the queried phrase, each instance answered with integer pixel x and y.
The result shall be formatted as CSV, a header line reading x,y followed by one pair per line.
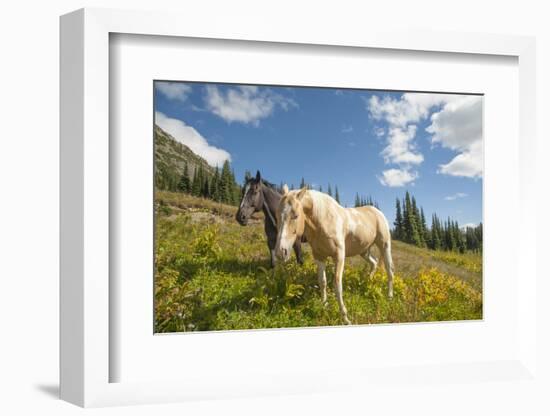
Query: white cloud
x,y
402,115
245,104
400,148
397,177
174,90
456,196
458,126
410,108
192,138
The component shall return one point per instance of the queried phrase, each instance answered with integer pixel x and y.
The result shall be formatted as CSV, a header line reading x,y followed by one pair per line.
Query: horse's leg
x,y
322,277
372,261
298,251
338,276
273,257
388,263
271,235
271,246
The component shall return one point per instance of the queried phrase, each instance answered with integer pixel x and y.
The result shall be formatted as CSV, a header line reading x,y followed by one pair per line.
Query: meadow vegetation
x,y
213,274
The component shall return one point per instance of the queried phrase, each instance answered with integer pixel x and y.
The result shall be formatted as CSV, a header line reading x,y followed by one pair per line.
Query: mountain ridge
x,y
171,157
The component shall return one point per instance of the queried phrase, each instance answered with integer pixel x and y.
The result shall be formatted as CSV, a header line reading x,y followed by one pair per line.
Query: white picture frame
x,y
85,217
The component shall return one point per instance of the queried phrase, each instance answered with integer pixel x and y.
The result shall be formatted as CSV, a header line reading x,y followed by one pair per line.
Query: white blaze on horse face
x,y
286,236
246,189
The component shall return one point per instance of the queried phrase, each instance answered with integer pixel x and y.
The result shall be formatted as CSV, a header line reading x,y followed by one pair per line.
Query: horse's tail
x,y
388,259
386,254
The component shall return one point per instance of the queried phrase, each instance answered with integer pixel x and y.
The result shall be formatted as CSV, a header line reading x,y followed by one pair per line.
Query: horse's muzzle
x,y
282,253
241,219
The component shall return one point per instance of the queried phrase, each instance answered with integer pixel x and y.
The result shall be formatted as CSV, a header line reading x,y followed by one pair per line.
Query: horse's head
x,y
252,199
290,220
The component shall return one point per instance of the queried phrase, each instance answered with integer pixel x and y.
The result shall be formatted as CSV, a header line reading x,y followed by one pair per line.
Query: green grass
x,y
213,274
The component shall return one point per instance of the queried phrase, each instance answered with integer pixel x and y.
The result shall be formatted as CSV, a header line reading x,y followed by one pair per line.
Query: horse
x,y
260,195
333,231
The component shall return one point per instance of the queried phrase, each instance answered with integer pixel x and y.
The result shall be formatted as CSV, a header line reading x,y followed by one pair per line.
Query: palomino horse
x,y
259,195
333,231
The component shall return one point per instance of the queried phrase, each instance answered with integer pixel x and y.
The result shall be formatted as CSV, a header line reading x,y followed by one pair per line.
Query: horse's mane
x,y
266,183
321,202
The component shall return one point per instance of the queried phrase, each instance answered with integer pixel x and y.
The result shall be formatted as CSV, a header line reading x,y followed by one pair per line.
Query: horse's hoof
x,y
346,320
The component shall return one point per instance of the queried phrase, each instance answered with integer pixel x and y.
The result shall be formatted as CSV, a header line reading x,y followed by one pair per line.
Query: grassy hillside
x,y
213,274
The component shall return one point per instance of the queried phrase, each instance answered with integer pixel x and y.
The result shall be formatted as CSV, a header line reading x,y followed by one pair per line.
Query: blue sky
x,y
372,142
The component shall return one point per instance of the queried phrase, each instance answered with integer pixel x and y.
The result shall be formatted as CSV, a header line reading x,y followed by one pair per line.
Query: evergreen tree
x,y
435,239
184,185
479,236
357,200
461,244
302,183
329,191
226,184
424,228
398,233
195,186
410,222
215,185
205,188
336,194
419,241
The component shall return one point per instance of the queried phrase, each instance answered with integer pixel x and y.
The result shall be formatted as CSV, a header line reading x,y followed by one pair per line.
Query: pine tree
x,y
206,188
302,183
195,186
461,244
471,242
398,233
336,194
184,185
435,239
329,191
357,200
215,185
419,235
479,236
226,184
424,228
409,222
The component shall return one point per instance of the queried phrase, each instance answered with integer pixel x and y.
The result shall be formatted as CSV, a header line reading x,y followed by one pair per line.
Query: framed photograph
x,y
219,266
234,207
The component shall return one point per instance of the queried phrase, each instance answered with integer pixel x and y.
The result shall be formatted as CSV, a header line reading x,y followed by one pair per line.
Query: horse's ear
x,y
285,189
302,192
258,176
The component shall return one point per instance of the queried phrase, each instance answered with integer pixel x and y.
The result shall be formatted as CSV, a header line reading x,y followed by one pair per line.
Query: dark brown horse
x,y
260,195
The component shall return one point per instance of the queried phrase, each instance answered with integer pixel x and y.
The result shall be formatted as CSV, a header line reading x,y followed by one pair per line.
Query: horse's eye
x,y
294,216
